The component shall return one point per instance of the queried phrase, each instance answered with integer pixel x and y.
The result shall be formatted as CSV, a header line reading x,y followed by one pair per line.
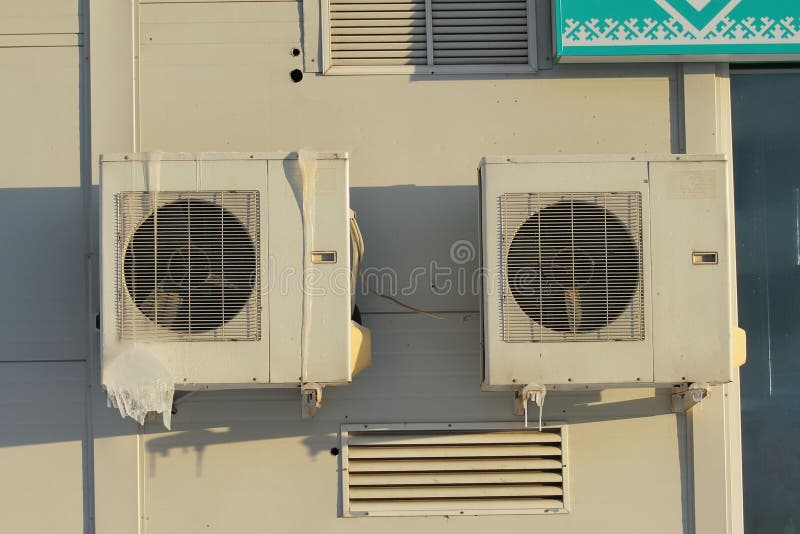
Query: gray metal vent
x,y
572,267
188,266
480,33
432,32
452,470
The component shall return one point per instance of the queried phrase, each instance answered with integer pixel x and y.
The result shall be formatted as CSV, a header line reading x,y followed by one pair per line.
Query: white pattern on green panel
x,y
677,27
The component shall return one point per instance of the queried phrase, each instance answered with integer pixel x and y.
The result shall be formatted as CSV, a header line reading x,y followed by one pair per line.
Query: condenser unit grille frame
x,y
588,276
451,469
226,305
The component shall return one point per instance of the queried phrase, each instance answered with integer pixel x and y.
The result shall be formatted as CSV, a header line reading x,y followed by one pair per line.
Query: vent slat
x,y
452,452
513,464
338,10
483,60
484,28
477,6
483,54
394,438
490,37
377,23
380,61
453,478
453,492
362,54
376,40
446,506
478,18
377,17
366,47
368,30
442,47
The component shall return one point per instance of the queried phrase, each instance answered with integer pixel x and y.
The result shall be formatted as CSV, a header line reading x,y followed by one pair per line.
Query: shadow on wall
x,y
422,246
47,329
44,324
424,369
224,418
43,275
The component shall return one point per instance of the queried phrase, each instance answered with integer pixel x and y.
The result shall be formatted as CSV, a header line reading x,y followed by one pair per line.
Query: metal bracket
x,y
685,398
179,398
531,392
310,399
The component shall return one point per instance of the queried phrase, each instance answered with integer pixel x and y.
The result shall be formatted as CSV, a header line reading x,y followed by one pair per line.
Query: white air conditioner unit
x,y
609,271
203,262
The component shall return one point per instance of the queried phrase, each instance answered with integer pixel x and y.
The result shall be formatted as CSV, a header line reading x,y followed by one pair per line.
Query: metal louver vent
x,y
188,266
432,32
453,469
572,267
480,32
380,32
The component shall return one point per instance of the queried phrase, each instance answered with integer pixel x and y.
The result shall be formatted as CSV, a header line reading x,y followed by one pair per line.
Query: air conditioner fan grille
x,y
572,267
188,266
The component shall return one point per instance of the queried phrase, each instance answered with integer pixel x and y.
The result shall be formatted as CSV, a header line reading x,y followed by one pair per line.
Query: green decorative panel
x,y
677,30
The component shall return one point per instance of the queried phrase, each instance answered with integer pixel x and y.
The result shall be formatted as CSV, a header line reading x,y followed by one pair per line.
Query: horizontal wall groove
x,y
66,360
41,40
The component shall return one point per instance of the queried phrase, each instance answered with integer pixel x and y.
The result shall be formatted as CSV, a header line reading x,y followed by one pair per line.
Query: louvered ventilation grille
x,y
572,267
466,32
480,33
443,472
188,266
378,33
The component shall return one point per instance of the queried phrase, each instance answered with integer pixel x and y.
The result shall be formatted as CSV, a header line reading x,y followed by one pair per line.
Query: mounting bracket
x,y
685,398
310,399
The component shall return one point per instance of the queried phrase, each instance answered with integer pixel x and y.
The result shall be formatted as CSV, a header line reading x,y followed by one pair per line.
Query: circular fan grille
x,y
573,267
190,266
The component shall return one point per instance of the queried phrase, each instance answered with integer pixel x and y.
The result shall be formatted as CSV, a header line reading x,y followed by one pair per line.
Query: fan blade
x,y
162,305
572,298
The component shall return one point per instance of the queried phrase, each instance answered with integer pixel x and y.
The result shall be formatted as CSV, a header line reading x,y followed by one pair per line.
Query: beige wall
x,y
199,76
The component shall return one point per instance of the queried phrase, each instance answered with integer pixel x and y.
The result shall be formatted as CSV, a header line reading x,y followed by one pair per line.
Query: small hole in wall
x,y
295,52
296,75
335,451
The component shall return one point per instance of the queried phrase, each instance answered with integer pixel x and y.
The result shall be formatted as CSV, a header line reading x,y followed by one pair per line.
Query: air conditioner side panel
x,y
326,284
693,305
329,354
513,364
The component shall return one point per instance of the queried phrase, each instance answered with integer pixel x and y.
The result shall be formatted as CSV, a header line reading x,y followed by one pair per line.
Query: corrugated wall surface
x,y
215,76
